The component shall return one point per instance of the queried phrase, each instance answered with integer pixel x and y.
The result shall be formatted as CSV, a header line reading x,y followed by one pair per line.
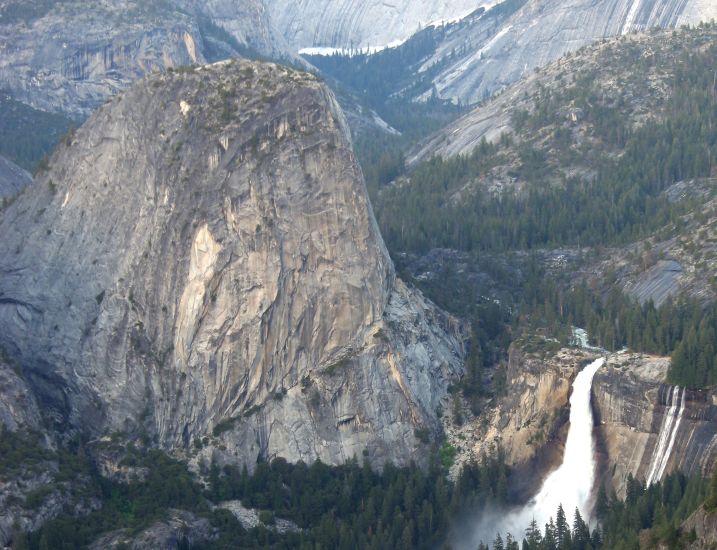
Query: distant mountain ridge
x,y
68,56
492,51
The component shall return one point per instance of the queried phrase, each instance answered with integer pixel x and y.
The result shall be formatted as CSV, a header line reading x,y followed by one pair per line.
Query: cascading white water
x,y
582,340
572,483
667,436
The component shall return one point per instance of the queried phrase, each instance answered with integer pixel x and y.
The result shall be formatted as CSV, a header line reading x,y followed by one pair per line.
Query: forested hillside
x,y
587,160
613,146
29,134
329,507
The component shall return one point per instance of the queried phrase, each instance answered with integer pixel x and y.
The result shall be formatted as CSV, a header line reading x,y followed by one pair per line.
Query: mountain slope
x,y
628,78
612,146
202,262
484,54
491,48
65,55
12,178
350,24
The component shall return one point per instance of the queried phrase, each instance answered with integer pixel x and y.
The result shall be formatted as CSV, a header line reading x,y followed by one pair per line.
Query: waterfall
x,y
572,483
668,433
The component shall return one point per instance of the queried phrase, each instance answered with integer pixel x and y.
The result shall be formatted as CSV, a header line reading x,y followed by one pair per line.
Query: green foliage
x,y
383,74
448,455
352,506
20,450
622,202
662,507
711,502
225,425
35,498
29,135
266,517
136,505
683,328
656,511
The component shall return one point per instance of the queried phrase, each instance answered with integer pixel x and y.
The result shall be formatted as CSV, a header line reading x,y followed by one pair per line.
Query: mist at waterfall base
x,y
570,485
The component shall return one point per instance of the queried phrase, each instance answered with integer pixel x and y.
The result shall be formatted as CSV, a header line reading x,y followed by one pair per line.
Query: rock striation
x,y
634,405
528,422
70,56
345,24
491,50
201,264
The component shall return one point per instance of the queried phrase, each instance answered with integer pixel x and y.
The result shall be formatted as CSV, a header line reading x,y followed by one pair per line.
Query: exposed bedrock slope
x,y
649,428
489,52
71,56
202,262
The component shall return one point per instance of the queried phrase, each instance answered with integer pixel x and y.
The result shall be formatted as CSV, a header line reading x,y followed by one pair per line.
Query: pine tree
x,y
510,543
550,541
562,529
581,532
533,536
19,539
498,543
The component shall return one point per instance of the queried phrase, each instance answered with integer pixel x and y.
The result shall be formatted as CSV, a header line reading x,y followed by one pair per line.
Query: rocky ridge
x,y
632,74
200,263
490,51
71,56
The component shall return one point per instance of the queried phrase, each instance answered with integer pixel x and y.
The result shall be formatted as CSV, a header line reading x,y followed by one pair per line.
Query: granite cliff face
x,y
201,262
350,24
635,409
71,56
527,422
491,50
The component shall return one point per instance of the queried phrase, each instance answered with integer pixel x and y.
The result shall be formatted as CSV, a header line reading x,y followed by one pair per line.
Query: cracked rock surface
x,y
71,56
201,263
